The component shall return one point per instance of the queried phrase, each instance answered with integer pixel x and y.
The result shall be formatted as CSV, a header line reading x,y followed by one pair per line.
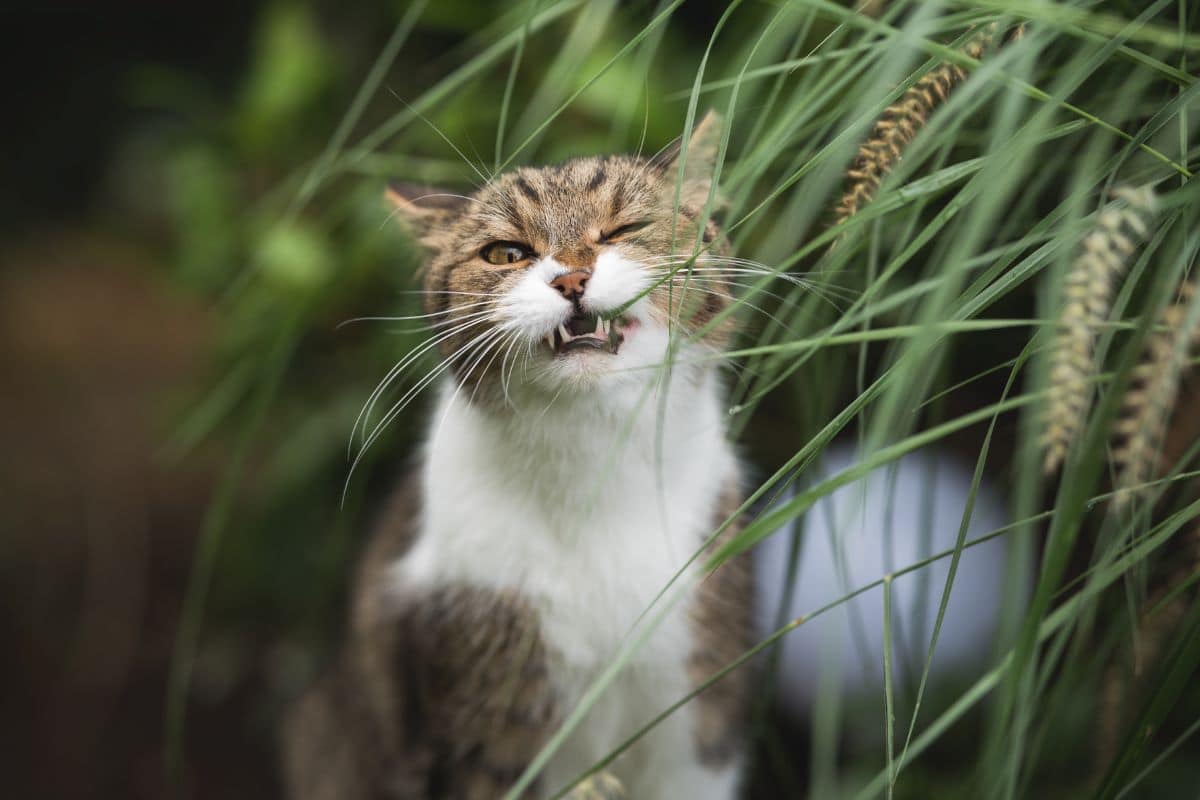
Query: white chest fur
x,y
588,509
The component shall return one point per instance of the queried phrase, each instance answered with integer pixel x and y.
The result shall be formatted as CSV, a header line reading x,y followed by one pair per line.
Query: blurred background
x,y
191,208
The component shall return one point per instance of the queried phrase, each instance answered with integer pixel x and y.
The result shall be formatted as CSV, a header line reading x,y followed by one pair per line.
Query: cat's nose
x,y
572,284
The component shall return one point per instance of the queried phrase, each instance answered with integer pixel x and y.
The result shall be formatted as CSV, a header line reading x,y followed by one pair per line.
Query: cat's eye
x,y
624,230
504,253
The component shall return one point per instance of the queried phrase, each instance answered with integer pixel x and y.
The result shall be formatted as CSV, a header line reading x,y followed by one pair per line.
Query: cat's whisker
x,y
712,258
750,287
435,326
411,358
755,270
496,343
409,317
492,337
369,405
824,292
529,345
503,367
721,276
399,406
505,378
742,270
756,267
450,292
737,300
484,178
468,198
473,316
742,302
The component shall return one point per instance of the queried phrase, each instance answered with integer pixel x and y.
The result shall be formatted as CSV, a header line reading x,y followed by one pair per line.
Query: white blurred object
x,y
896,516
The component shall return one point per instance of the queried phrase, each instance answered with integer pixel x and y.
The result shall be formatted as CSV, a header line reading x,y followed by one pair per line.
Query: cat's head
x,y
576,276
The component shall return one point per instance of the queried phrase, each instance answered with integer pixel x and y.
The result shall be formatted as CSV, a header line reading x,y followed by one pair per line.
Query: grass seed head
x,y
1087,298
899,124
1146,409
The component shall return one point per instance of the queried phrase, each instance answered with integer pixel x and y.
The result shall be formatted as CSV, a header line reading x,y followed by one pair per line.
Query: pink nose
x,y
572,284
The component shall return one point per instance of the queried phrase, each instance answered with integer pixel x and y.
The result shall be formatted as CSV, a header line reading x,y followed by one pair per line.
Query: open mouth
x,y
588,331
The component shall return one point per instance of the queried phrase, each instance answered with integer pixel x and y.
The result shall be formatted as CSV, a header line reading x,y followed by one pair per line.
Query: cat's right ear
x,y
426,211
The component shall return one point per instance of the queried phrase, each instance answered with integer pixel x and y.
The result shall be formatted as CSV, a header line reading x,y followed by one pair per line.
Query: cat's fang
x,y
587,331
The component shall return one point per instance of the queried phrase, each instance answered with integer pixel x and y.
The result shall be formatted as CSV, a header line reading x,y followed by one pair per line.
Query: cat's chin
x,y
581,367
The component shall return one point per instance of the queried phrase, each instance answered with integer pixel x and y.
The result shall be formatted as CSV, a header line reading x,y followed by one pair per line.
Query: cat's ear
x,y
696,157
426,211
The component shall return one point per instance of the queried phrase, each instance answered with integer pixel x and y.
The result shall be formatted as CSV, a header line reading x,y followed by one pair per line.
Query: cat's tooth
x,y
550,340
564,333
601,327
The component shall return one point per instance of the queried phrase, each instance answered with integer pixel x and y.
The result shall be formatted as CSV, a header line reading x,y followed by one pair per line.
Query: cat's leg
x,y
446,696
336,745
474,667
320,758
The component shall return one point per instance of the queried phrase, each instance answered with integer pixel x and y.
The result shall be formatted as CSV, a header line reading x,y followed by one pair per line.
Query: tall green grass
x,y
929,321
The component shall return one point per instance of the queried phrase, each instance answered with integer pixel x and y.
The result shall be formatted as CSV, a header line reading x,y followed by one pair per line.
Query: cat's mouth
x,y
589,331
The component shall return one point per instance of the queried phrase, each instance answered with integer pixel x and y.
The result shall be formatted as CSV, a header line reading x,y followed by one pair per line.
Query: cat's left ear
x,y
697,156
428,212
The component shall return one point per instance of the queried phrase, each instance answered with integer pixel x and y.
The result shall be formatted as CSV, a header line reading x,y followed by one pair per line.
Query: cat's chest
x,y
588,540
590,576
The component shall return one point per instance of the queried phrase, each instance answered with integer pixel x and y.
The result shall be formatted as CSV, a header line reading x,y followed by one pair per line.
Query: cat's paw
x,y
601,786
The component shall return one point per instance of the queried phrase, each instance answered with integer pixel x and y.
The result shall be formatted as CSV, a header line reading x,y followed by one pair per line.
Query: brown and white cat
x,y
568,475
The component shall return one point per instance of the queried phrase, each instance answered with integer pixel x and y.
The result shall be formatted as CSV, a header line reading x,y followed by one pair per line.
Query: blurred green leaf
x,y
204,202
292,66
295,257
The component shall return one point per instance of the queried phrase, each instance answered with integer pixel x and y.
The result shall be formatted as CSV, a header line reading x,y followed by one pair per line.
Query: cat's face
x,y
575,276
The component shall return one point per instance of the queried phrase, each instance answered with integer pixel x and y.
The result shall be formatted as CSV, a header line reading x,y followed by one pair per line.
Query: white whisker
x,y
408,317
403,402
506,377
447,292
495,335
824,291
498,343
365,413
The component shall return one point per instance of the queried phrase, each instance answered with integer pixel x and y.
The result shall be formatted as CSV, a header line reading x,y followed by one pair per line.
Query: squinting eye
x,y
502,253
624,230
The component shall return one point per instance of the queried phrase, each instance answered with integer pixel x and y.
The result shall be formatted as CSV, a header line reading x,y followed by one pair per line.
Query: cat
x,y
567,475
